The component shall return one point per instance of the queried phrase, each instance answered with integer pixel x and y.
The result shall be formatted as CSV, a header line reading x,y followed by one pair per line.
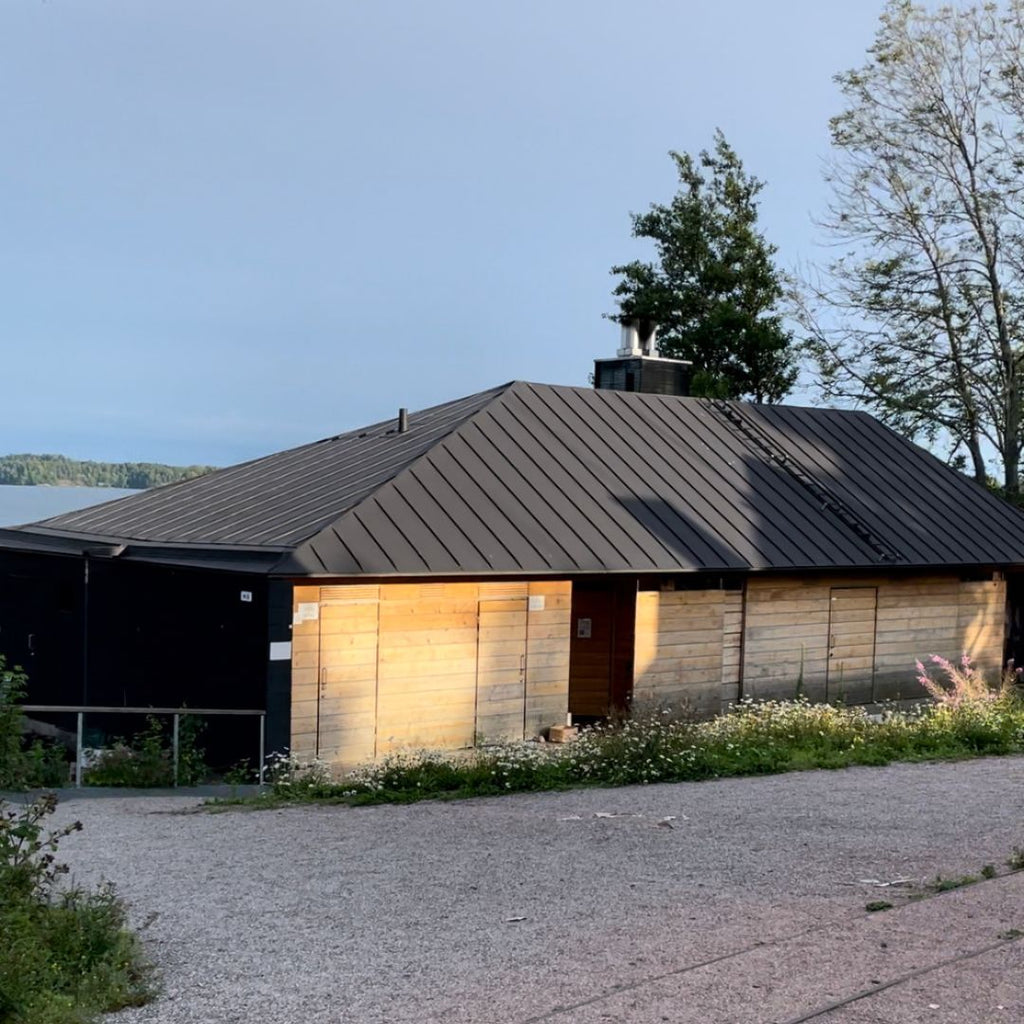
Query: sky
x,y
228,227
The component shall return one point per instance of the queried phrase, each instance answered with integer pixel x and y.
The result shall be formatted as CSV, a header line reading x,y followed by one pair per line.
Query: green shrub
x,y
12,760
146,760
66,954
24,766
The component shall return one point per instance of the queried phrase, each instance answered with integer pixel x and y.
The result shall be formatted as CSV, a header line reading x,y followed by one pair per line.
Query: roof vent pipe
x,y
403,421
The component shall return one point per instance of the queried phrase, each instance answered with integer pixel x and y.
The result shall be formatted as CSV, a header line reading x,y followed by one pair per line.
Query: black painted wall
x,y
144,635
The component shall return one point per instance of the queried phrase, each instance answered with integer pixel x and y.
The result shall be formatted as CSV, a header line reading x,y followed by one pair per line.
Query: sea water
x,y
27,504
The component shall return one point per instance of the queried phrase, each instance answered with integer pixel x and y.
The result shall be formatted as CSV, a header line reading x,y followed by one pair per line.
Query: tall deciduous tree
x,y
920,316
714,290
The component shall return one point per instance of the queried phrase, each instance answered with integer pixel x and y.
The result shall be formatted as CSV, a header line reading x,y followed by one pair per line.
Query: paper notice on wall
x,y
536,603
307,611
584,628
280,650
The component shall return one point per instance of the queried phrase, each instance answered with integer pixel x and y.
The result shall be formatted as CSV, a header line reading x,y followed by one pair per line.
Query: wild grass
x,y
756,737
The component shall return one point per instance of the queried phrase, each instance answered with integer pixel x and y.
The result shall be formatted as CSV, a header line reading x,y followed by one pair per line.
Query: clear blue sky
x,y
231,226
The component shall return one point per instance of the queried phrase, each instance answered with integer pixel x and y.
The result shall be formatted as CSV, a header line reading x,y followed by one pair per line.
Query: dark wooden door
x,y
601,648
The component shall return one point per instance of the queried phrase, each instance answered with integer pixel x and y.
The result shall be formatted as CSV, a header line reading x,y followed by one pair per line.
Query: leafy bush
x,y
66,954
12,692
147,759
21,767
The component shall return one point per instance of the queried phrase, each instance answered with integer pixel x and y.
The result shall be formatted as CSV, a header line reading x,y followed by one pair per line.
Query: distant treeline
x,y
59,470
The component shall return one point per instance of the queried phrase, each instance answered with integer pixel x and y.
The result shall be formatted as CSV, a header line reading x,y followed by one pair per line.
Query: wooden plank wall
x,y
915,620
426,666
687,648
431,665
982,623
349,653
787,632
786,638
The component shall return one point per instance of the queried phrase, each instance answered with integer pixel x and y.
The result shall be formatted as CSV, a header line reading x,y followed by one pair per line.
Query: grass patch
x,y
66,954
754,738
941,884
877,905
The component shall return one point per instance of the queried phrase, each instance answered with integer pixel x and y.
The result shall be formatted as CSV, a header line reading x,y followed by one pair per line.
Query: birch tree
x,y
919,316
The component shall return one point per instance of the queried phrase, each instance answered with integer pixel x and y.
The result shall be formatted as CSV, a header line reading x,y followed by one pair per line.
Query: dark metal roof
x,y
275,501
537,479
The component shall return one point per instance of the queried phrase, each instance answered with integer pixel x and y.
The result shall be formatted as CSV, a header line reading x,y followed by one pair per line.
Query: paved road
x,y
713,903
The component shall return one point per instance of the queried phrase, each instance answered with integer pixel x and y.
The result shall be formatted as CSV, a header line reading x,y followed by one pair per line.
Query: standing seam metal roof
x,y
540,479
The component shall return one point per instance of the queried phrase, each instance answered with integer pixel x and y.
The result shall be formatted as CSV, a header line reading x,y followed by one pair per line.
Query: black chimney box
x,y
638,367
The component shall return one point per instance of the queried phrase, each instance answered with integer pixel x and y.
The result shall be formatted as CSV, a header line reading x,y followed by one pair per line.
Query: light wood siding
x,y
348,673
426,669
431,665
982,623
786,638
915,620
787,634
687,648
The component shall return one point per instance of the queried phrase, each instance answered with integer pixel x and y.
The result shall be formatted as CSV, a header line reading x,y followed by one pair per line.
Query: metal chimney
x,y
639,367
639,338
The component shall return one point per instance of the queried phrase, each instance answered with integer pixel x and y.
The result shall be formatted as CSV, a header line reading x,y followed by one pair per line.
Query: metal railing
x,y
176,713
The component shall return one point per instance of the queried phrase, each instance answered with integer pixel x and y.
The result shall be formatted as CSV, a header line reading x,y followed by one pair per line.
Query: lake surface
x,y
27,504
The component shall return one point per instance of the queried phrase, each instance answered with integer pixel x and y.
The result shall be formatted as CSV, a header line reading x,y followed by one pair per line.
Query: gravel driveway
x,y
728,901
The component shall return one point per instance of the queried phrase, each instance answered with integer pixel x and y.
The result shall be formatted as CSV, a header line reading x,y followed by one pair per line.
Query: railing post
x,y
174,748
263,742
78,751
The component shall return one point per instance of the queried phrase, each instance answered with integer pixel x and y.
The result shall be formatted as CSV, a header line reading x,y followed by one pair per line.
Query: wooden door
x,y
590,651
501,662
601,637
851,644
346,707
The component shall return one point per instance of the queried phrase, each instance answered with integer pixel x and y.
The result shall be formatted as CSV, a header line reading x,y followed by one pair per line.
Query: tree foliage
x,y
60,470
919,317
713,290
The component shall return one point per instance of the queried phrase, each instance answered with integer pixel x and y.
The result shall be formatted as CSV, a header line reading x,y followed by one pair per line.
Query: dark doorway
x,y
601,648
1015,620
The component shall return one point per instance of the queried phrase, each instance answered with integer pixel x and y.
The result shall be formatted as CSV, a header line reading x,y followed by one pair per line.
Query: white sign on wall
x,y
307,611
280,650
